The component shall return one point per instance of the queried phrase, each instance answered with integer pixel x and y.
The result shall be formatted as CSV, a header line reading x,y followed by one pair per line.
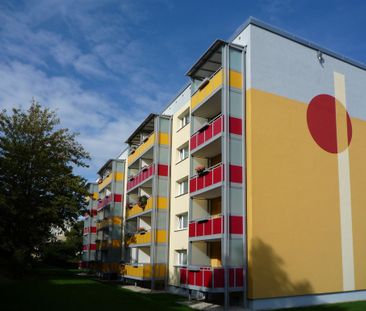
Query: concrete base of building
x,y
307,300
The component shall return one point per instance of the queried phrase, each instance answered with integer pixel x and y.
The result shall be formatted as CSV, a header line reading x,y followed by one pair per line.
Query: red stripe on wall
x,y
117,198
163,170
236,173
235,126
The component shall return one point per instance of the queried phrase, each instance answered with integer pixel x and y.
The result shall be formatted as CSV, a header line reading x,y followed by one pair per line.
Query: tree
x,y
66,252
38,189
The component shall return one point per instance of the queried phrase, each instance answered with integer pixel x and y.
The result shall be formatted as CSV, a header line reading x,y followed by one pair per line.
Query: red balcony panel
x,y
239,272
217,225
193,185
199,278
94,212
93,229
231,277
200,182
235,126
193,142
207,278
236,174
183,276
209,132
199,228
146,173
205,134
218,126
208,227
192,229
191,277
92,247
200,138
219,278
163,170
208,179
217,174
85,247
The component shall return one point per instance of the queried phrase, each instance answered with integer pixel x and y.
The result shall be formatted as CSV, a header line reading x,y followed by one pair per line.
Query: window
x,y
183,187
183,153
184,119
181,257
182,221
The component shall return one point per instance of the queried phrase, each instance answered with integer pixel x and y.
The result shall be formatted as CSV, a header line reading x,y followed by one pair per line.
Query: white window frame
x,y
183,152
184,120
182,221
182,187
182,258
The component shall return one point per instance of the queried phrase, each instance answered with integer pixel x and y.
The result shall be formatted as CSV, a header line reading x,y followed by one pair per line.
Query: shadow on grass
x,y
54,289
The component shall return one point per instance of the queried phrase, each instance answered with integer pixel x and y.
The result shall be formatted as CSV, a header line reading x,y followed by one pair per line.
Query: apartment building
x,y
249,186
90,228
109,218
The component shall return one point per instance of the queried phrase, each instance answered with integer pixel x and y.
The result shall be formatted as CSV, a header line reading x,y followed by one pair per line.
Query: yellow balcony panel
x,y
141,149
139,238
136,209
214,84
105,182
143,271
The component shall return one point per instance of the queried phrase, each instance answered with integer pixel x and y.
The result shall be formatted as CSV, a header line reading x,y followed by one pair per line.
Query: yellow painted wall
x,y
293,202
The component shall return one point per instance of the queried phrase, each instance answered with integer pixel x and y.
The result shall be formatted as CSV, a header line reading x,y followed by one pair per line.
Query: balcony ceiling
x,y
147,126
211,108
208,63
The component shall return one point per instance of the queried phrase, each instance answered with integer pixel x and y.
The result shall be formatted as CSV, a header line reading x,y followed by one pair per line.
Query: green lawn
x,y
57,289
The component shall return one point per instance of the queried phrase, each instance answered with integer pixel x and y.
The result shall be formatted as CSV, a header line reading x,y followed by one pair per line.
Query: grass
x,y
56,289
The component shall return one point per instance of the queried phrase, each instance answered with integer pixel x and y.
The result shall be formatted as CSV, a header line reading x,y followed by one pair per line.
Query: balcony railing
x,y
137,209
211,176
142,271
211,278
208,89
214,225
135,154
206,227
144,237
141,176
117,198
207,132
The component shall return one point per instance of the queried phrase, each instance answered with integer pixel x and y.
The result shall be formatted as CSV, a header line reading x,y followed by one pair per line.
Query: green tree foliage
x,y
66,253
38,189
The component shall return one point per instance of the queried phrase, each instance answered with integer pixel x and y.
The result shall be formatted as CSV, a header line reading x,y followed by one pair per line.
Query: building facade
x,y
249,186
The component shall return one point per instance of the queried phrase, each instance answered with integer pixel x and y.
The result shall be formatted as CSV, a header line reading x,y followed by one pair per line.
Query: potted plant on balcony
x,y
144,168
201,170
129,205
142,201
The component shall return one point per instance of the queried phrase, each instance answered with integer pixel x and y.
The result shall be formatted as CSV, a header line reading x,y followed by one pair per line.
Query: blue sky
x,y
104,65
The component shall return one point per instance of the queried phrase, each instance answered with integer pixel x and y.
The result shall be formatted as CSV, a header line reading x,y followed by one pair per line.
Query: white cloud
x,y
58,51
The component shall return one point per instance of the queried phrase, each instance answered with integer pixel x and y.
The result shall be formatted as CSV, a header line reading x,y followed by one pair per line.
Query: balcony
x,y
208,228
200,141
102,203
143,271
144,174
207,88
136,209
140,177
105,223
141,149
144,238
102,183
211,279
208,180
